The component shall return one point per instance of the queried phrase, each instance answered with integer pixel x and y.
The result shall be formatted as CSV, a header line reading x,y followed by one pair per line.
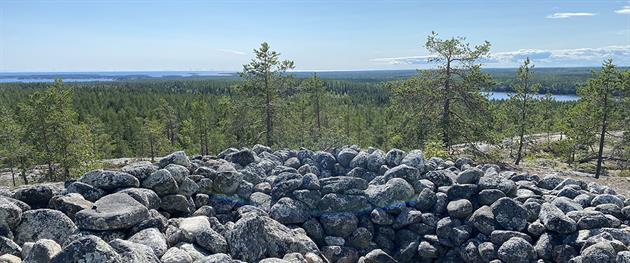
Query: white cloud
x,y
624,11
235,52
568,15
542,57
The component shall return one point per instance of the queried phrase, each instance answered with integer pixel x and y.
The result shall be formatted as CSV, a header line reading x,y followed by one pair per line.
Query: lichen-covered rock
x,y
250,232
10,213
394,192
517,250
44,224
176,255
162,182
140,169
555,220
178,158
510,214
109,180
7,246
69,204
289,211
133,252
460,208
339,224
42,251
88,192
114,211
36,196
152,238
87,249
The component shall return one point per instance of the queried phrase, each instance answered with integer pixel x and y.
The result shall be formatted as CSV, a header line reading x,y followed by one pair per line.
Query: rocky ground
x,y
345,205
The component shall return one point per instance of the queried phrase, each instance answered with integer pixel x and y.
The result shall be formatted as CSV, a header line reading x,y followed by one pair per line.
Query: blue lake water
x,y
506,95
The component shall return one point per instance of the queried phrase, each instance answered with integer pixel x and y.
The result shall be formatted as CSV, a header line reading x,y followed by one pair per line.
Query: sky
x,y
187,35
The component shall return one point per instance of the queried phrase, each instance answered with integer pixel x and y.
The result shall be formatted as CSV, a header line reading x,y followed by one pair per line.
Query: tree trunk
x,y
600,153
152,150
268,110
24,176
12,174
519,154
446,107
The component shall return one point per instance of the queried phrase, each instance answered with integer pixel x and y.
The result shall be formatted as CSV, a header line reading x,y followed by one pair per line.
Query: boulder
x,y
140,169
42,251
460,208
114,211
339,224
394,192
133,252
176,255
10,213
87,249
510,214
252,230
289,211
152,238
161,182
517,250
179,158
227,182
109,180
69,204
36,196
88,192
555,220
44,224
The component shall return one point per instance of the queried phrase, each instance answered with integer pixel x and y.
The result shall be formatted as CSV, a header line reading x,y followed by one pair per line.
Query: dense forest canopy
x,y
68,125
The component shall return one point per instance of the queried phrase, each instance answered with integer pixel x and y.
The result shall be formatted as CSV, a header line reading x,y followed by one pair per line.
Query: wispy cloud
x,y
235,52
548,57
568,15
624,11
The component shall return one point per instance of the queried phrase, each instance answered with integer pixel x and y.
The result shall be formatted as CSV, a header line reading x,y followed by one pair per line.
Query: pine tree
x,y
53,132
264,79
599,94
14,152
459,79
523,98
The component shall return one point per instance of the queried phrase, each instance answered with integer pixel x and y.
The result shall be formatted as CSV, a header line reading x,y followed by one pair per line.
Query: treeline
x,y
66,126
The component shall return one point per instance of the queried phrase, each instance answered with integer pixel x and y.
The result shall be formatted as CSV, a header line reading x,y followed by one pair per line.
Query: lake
x,y
496,95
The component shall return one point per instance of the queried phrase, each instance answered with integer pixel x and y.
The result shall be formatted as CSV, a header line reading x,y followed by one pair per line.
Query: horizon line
x,y
297,71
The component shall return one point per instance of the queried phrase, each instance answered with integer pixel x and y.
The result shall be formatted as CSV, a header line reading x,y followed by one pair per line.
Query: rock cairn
x,y
342,205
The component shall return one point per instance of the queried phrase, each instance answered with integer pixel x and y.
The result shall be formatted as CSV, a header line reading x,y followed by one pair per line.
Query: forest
x,y
67,127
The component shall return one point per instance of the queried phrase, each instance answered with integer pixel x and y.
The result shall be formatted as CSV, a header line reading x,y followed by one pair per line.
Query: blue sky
x,y
119,35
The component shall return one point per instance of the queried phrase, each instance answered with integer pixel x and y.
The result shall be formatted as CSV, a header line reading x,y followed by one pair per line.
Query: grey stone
x,y
133,252
87,249
251,231
289,211
555,220
114,211
161,182
395,191
44,224
152,238
460,208
109,180
510,214
517,250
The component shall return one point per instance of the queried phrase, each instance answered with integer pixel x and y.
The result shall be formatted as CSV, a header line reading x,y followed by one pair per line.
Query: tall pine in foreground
x,y
459,80
598,95
523,100
265,78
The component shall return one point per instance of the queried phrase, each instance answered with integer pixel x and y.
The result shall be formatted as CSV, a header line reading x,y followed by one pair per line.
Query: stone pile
x,y
342,205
